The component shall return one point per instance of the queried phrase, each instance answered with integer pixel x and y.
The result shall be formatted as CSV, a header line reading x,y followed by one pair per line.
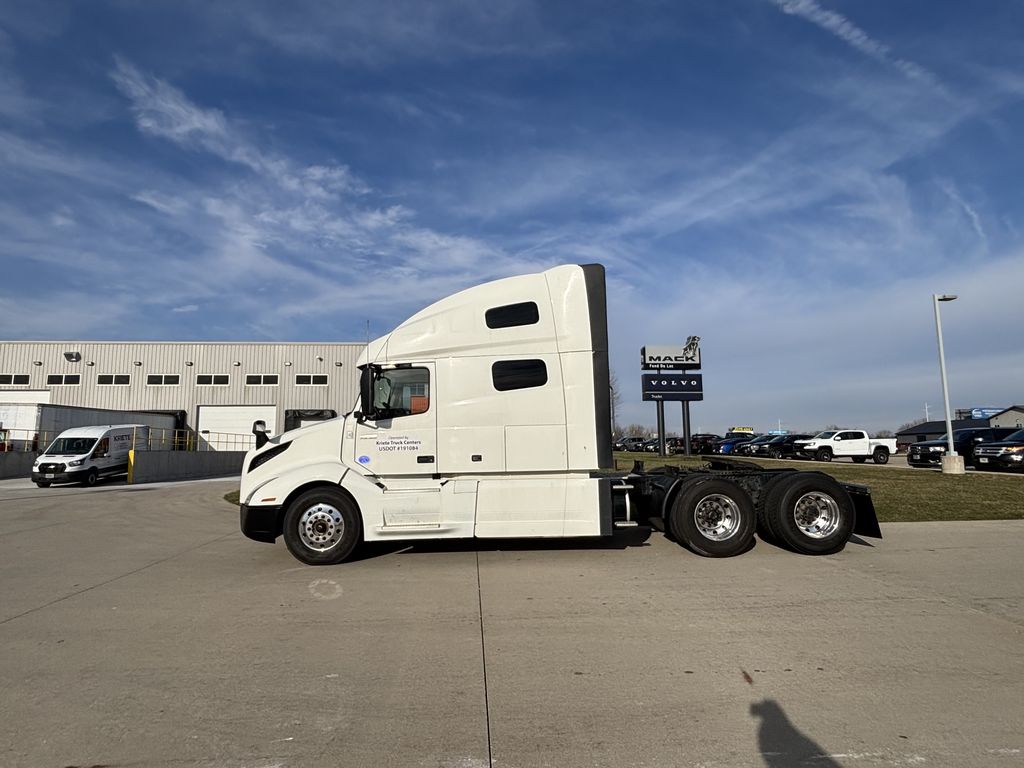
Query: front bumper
x,y
260,523
925,459
1012,461
67,476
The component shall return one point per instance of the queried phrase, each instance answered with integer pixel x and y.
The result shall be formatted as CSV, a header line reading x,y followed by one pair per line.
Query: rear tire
x,y
713,518
823,454
880,456
810,513
322,527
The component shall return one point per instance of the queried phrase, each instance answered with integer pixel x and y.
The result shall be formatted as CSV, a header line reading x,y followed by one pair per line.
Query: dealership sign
x,y
671,358
672,386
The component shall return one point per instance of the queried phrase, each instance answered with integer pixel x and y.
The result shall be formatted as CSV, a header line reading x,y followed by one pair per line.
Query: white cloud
x,y
186,308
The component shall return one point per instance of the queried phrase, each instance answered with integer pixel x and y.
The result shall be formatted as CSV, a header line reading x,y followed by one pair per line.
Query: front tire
x,y
880,456
714,518
811,513
322,527
90,478
43,483
823,454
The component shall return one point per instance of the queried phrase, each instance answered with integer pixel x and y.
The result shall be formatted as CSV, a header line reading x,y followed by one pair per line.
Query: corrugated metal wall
x,y
187,360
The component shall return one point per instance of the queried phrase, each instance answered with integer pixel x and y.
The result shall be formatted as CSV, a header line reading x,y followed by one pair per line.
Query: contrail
x,y
855,37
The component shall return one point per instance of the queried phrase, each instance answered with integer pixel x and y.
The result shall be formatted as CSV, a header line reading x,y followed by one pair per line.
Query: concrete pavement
x,y
138,627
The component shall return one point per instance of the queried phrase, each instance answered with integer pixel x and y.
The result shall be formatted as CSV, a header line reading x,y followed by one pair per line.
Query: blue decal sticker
x,y
364,459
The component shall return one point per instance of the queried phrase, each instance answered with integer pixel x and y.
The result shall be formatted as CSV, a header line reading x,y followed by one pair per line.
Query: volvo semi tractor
x,y
487,415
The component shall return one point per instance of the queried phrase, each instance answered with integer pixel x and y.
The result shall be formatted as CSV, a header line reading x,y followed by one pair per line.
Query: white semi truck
x,y
487,415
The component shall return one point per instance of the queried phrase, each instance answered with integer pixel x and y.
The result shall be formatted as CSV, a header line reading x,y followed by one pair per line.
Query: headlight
x,y
936,449
1014,449
75,463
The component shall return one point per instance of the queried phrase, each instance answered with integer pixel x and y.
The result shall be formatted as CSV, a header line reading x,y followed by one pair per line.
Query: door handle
x,y
424,459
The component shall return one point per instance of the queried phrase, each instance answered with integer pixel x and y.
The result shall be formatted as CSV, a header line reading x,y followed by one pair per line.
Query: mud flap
x,y
866,523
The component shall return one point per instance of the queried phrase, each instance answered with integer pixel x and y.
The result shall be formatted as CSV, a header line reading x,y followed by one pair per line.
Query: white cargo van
x,y
84,454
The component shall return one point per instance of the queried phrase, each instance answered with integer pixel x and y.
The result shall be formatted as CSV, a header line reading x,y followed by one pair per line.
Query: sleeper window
x,y
511,315
518,374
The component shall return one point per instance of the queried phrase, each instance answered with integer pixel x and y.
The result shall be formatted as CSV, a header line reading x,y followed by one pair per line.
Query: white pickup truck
x,y
854,443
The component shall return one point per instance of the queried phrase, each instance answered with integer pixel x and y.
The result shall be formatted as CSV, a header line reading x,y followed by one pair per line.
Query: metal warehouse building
x,y
216,387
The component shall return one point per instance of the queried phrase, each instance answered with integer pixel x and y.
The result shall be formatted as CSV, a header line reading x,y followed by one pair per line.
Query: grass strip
x,y
900,495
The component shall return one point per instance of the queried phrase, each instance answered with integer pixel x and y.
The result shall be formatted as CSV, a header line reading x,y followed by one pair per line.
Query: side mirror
x,y
365,393
259,430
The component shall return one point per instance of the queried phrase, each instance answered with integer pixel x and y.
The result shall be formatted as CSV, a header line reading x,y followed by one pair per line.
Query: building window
x,y
163,380
13,378
518,374
213,379
261,380
511,315
63,379
114,379
311,380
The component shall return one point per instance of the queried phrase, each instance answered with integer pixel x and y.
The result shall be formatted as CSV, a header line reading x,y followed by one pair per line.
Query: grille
x,y
51,467
988,451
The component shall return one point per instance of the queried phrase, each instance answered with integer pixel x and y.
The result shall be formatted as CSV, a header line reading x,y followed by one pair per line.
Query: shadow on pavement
x,y
622,539
780,743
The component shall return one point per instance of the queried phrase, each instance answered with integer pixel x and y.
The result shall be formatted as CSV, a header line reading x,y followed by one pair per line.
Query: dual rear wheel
x,y
809,513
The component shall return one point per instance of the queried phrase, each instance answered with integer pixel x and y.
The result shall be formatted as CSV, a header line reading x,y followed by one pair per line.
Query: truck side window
x,y
101,449
518,374
511,315
402,392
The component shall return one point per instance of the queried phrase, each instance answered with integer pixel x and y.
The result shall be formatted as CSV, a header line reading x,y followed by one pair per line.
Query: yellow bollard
x,y
131,466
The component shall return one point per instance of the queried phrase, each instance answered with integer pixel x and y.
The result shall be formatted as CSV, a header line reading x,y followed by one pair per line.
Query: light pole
x,y
951,463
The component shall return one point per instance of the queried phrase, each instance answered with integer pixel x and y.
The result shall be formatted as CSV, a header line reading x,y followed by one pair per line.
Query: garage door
x,y
229,427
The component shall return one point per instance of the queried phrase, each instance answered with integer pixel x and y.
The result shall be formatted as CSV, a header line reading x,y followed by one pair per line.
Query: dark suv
x,y
703,442
1008,453
629,443
930,452
780,447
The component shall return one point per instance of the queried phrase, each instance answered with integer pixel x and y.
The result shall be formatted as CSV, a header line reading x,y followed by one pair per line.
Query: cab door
x,y
400,441
853,444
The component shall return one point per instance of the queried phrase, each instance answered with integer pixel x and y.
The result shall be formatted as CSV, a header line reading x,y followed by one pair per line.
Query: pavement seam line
x,y
483,659
116,578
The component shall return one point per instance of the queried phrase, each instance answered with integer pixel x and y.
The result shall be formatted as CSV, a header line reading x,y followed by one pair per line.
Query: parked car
x,y
854,443
728,444
1007,453
780,447
750,447
703,442
929,453
628,443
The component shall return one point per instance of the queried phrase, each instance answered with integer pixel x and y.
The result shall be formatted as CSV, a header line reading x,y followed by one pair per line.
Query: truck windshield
x,y
823,435
1016,437
70,446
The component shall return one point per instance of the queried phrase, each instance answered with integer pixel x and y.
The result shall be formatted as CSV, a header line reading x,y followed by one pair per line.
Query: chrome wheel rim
x,y
321,527
716,516
816,515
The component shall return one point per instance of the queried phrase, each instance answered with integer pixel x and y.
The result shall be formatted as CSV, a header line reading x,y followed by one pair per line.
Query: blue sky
x,y
790,180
